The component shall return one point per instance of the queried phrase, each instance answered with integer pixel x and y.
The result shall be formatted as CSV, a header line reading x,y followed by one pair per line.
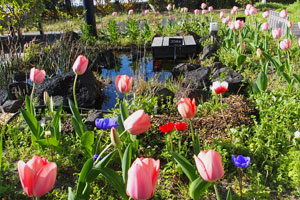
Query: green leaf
x,y
77,116
71,195
229,196
76,126
286,77
122,117
32,122
198,187
45,142
196,144
255,89
87,140
240,60
115,180
126,162
82,177
273,61
27,104
186,166
56,123
297,77
262,81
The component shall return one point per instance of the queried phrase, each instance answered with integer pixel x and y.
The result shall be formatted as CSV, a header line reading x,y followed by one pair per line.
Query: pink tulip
x,y
137,123
204,12
239,24
172,18
222,15
209,165
258,53
114,13
276,33
169,7
285,44
187,107
185,9
142,178
299,42
265,26
232,12
247,13
248,6
37,176
235,8
210,8
226,20
196,11
130,12
80,65
283,14
290,24
231,25
157,13
37,76
218,87
146,12
266,14
203,6
123,83
253,10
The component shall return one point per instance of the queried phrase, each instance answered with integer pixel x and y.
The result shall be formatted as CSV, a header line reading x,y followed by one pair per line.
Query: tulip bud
x,y
258,53
48,133
114,137
46,98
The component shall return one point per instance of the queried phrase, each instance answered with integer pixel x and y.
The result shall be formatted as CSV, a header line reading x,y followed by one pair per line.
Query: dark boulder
x,y
197,79
208,51
20,77
88,92
19,90
199,94
183,68
12,106
3,95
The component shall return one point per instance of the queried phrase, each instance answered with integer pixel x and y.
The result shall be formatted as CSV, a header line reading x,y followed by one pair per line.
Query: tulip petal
x,y
26,177
44,180
201,168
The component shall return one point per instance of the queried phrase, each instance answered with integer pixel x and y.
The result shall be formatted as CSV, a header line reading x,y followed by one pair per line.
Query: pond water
x,y
143,67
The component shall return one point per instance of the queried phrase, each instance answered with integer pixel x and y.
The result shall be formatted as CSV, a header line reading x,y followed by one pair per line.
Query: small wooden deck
x,y
162,49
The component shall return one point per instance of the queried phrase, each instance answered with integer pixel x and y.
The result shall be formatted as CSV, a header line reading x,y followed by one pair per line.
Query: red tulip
x,y
209,165
137,123
142,178
80,65
123,83
37,76
180,126
187,107
37,176
218,87
167,128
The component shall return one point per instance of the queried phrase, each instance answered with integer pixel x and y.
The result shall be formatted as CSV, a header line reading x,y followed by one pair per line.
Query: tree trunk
x,y
89,16
69,7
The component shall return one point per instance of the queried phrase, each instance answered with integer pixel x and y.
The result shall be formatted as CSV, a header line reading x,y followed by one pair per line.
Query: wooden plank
x,y
157,42
189,40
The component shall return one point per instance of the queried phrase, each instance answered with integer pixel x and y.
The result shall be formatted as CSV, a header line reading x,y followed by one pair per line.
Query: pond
x,y
144,67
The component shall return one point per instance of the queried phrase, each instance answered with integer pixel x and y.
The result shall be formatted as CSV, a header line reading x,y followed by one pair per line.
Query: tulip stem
x,y
217,192
241,184
221,100
51,153
31,99
36,198
74,91
98,142
192,130
107,147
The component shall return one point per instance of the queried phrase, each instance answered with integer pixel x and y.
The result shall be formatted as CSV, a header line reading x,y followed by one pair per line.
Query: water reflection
x,y
139,67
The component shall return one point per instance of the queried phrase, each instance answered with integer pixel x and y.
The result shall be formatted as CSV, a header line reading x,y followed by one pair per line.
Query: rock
x,y
216,65
197,79
163,96
44,120
90,120
57,100
234,79
12,106
20,77
199,94
208,51
19,90
88,93
3,95
183,68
